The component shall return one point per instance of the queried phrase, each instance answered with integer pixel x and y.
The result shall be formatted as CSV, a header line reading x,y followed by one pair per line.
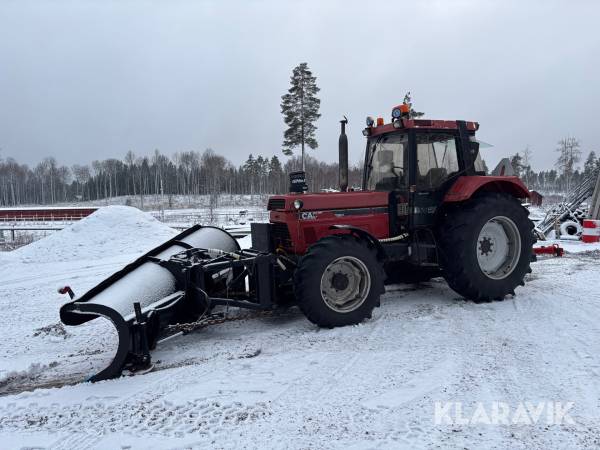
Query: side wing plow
x,y
178,282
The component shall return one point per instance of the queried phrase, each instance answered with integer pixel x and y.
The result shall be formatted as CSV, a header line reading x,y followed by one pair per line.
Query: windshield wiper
x,y
370,163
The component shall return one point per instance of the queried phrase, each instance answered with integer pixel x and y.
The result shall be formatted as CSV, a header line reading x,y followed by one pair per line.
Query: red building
x,y
38,214
536,198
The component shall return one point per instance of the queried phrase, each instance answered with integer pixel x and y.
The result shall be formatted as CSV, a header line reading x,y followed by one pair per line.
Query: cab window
x,y
387,162
437,159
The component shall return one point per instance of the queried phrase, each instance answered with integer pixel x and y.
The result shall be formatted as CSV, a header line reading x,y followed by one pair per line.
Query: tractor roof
x,y
429,124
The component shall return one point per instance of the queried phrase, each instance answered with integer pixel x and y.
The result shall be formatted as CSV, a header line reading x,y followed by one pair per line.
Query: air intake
x,y
275,204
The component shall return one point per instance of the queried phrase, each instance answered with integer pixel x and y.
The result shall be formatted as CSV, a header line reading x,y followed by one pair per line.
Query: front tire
x,y
339,281
486,246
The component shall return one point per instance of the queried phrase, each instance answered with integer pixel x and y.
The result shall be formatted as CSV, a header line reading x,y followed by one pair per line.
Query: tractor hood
x,y
328,200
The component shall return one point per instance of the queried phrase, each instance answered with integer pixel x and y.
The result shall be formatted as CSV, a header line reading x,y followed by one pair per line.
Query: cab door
x,y
434,164
386,169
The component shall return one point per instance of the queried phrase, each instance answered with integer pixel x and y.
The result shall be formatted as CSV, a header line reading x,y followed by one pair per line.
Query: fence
x,y
20,228
243,217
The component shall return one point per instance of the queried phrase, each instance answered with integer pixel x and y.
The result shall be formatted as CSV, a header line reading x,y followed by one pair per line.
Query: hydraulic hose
x,y
395,238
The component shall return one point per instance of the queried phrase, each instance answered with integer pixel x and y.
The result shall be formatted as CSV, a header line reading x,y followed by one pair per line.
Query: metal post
x,y
595,204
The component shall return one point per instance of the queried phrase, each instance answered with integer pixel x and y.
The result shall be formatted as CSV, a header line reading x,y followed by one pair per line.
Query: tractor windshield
x,y
386,162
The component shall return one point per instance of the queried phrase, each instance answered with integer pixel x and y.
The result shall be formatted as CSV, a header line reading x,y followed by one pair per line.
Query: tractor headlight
x,y
370,121
367,132
397,123
298,203
396,113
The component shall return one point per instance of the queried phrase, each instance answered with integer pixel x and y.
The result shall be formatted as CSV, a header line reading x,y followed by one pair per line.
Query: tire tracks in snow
x,y
373,367
506,359
147,409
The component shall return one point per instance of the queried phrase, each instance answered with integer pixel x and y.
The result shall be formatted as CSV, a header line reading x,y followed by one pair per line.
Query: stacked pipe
x,y
566,209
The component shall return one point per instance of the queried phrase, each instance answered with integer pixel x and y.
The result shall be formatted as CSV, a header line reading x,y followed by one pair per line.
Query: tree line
x,y
192,173
189,173
566,175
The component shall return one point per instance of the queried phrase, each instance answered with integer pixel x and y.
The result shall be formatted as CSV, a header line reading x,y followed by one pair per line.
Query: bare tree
x,y
130,161
569,154
81,175
526,164
63,178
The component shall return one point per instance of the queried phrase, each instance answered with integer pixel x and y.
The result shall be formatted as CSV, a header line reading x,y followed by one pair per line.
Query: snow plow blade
x,y
165,286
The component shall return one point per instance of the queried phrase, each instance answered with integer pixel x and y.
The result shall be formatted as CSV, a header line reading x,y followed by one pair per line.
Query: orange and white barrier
x,y
591,231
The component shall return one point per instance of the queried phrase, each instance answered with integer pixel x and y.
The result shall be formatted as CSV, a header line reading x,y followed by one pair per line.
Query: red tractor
x,y
426,209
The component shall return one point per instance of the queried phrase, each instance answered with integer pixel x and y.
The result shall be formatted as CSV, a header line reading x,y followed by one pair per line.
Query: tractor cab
x,y
417,161
414,171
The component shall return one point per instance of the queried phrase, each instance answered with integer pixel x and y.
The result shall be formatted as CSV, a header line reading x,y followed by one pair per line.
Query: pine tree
x,y
249,168
590,164
300,109
516,161
275,176
412,113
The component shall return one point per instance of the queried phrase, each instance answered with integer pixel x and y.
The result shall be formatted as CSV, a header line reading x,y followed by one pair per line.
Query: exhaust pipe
x,y
343,156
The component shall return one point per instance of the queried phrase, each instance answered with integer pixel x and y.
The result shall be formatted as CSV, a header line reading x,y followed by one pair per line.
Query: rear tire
x,y
486,246
339,281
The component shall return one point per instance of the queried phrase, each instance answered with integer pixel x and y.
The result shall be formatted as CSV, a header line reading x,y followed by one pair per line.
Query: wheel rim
x,y
498,247
345,284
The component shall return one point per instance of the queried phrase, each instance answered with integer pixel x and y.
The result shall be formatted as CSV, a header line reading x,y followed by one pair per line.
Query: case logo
x,y
308,215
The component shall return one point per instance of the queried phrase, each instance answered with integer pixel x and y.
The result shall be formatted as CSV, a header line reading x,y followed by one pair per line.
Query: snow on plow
x,y
153,292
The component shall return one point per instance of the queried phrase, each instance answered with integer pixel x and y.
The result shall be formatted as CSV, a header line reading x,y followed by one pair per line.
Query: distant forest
x,y
186,173
208,173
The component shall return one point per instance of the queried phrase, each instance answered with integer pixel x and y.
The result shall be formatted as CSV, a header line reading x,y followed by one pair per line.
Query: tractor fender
x,y
466,186
363,234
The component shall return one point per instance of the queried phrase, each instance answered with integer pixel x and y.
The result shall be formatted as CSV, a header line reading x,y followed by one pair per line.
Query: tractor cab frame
x,y
417,162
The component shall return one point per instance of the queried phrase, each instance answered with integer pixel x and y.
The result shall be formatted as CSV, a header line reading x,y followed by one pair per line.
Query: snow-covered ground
x,y
280,382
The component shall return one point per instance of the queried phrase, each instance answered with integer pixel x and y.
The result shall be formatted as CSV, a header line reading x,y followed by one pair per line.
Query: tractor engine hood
x,y
300,220
327,201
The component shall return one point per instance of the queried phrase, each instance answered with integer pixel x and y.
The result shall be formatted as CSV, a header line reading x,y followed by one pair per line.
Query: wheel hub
x,y
485,246
345,284
498,247
339,281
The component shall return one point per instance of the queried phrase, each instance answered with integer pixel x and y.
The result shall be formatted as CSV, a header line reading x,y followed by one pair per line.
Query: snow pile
x,y
245,242
5,257
110,231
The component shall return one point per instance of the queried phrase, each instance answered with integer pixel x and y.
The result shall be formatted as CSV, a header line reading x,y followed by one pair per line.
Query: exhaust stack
x,y
343,156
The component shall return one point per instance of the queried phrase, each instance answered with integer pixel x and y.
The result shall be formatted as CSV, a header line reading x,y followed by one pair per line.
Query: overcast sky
x,y
86,80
